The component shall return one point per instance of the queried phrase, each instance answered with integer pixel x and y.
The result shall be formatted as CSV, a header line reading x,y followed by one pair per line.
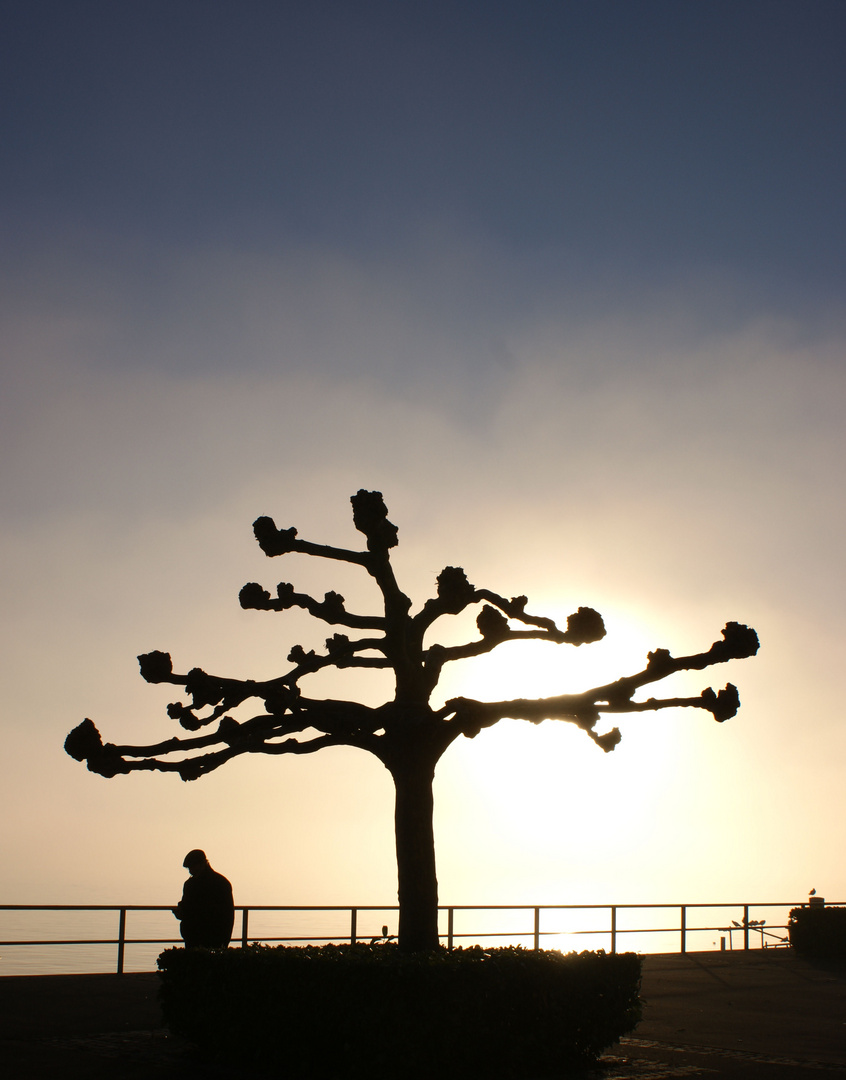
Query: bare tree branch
x,y
330,609
585,709
273,541
195,767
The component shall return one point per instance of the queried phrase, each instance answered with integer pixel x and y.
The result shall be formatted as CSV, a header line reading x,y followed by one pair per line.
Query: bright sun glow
x,y
543,786
541,669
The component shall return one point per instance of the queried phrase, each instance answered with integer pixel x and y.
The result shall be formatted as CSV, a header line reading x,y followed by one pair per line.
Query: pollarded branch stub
x,y
85,744
659,663
83,741
156,666
286,595
454,590
204,689
338,646
584,626
370,516
306,662
608,741
273,541
108,762
176,710
492,624
332,608
724,704
254,597
738,642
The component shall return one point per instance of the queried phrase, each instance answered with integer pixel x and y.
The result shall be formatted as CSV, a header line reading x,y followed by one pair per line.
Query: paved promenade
x,y
765,1013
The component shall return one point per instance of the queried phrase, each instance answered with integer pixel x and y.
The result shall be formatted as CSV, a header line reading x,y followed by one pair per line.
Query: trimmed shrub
x,y
370,1010
818,932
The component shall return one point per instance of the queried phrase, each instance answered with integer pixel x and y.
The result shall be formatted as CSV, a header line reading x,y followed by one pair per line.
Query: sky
x,y
564,281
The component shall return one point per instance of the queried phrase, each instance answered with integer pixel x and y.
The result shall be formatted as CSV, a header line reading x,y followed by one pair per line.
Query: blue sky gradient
x,y
652,137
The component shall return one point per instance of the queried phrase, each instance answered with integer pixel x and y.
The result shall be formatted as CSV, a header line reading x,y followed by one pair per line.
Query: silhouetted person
x,y
206,911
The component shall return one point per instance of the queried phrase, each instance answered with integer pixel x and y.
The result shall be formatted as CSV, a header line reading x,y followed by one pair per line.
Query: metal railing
x,y
610,933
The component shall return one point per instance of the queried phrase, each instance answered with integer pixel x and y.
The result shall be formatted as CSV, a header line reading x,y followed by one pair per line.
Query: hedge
x,y
818,932
369,1010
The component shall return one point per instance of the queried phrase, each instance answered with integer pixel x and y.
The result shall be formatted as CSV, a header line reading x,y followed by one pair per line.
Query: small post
x,y
245,922
450,927
121,940
537,929
745,926
353,924
683,929
613,928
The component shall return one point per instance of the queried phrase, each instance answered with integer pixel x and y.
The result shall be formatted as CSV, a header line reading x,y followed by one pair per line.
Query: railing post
x,y
745,926
537,929
683,928
450,927
245,923
353,924
121,940
613,928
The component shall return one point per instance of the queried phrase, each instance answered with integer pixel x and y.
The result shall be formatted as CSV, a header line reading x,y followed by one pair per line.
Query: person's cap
x,y
194,858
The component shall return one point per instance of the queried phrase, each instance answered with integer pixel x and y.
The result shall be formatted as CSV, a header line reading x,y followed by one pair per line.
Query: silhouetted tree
x,y
406,734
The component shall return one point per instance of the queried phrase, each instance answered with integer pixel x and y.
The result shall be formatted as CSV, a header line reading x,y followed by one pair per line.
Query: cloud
x,y
235,380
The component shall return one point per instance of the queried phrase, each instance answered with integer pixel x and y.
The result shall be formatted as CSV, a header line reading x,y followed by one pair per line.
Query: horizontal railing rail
x,y
611,932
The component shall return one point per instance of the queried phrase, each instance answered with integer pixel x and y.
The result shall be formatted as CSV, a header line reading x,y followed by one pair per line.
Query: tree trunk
x,y
417,882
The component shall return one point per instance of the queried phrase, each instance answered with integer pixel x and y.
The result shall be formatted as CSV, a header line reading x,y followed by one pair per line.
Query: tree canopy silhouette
x,y
405,733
